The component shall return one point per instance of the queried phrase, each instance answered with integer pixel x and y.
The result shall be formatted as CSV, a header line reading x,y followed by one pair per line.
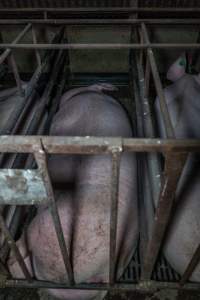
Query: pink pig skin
x,y
85,210
183,101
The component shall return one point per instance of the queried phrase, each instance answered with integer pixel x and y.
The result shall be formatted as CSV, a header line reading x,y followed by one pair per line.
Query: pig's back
x,y
183,101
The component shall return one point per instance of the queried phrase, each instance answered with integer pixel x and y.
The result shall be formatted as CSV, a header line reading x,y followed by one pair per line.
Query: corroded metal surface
x,y
22,187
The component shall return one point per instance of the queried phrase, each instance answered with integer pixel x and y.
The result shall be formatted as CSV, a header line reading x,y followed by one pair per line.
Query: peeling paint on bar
x,y
22,187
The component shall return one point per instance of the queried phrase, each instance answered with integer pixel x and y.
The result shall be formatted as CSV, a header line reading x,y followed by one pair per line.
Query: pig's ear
x,y
178,68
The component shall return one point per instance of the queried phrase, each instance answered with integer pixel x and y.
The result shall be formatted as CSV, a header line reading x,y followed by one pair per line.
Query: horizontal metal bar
x,y
191,267
148,286
102,46
101,21
90,145
173,168
22,187
128,10
6,53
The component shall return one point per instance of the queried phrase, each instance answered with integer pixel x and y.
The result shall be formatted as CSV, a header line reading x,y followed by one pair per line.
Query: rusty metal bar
x,y
16,74
150,286
116,155
37,54
102,46
41,160
191,267
90,145
76,21
147,78
174,165
163,105
15,249
17,40
127,10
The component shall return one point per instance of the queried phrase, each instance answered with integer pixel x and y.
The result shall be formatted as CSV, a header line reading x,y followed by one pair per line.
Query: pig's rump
x,y
85,211
85,221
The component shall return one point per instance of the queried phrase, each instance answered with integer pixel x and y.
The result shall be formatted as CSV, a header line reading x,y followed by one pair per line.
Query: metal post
x,y
163,106
173,168
41,160
16,74
37,54
191,267
116,155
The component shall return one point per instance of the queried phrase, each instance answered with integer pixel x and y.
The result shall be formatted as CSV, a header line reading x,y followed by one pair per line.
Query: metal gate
x,y
142,52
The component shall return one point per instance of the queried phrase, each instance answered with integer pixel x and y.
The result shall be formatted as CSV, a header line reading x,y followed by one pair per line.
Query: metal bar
x,y
16,74
90,145
102,46
37,54
174,165
191,267
41,160
17,40
15,249
101,21
150,286
114,211
127,10
163,105
147,78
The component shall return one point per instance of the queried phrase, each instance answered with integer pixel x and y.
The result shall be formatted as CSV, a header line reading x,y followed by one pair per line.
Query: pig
x,y
183,102
85,208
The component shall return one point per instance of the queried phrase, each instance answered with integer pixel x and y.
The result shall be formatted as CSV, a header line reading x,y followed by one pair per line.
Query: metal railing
x,y
174,150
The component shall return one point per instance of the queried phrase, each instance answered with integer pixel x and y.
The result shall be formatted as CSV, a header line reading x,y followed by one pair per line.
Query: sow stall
x,y
25,144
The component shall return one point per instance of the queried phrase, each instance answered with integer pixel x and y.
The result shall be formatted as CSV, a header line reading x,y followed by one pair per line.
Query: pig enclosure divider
x,y
175,152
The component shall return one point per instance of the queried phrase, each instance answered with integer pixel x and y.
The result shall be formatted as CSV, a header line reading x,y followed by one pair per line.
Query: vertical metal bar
x,y
40,157
14,248
173,168
37,54
163,106
7,52
116,155
142,50
147,78
191,267
16,74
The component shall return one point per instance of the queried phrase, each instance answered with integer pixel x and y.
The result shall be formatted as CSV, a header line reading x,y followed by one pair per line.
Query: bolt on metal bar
x,y
41,160
163,105
174,165
14,248
7,52
100,46
16,74
116,155
191,267
37,54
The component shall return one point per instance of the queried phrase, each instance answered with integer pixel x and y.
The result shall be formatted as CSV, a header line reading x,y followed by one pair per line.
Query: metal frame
x,y
175,152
